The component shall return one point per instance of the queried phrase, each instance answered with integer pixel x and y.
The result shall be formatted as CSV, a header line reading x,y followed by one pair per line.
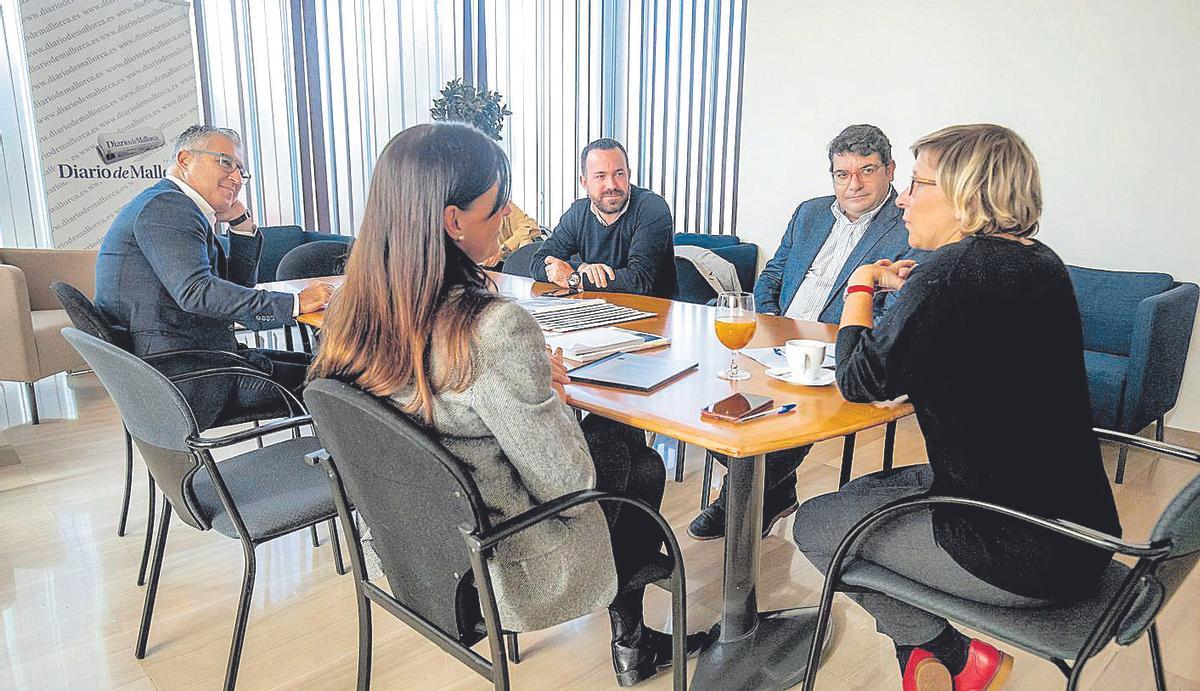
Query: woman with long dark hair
x,y
414,321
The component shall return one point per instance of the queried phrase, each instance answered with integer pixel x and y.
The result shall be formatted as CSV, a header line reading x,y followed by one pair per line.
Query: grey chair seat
x,y
274,489
1059,631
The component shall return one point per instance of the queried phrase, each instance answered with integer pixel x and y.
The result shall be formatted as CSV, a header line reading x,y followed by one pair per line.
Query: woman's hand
x,y
884,274
558,374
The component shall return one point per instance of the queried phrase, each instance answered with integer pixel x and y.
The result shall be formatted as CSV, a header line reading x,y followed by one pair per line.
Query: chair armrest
x,y
1147,444
198,443
248,372
188,359
1162,332
44,266
16,340
1074,531
484,540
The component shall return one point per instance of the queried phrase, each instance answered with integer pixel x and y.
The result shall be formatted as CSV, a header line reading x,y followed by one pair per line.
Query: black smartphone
x,y
735,407
560,292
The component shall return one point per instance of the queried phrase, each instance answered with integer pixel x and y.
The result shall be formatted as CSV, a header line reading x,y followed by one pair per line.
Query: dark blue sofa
x,y
691,286
278,241
1136,331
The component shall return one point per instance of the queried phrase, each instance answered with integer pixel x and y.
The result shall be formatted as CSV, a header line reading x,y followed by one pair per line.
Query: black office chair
x,y
421,503
1123,608
519,263
312,260
253,497
84,315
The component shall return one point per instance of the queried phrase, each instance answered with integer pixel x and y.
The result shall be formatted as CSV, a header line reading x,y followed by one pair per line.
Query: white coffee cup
x,y
804,358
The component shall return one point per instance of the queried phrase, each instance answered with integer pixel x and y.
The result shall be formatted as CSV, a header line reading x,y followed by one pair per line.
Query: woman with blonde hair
x,y
414,321
986,341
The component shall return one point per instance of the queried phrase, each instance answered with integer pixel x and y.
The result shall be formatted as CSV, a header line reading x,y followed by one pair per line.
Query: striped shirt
x,y
813,292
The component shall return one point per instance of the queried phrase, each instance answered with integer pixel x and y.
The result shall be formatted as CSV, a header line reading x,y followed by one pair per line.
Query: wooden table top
x,y
674,409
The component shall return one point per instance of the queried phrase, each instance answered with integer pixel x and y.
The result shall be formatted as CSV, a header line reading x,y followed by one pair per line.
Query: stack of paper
x,y
545,305
576,345
565,314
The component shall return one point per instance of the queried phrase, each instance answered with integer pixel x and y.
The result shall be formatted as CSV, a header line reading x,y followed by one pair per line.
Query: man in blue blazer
x,y
827,238
162,275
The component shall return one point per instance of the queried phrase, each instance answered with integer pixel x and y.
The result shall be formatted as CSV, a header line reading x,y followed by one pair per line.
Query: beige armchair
x,y
31,338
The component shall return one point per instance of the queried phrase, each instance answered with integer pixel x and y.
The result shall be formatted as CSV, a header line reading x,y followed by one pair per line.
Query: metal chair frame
x,y
1149,557
64,293
480,540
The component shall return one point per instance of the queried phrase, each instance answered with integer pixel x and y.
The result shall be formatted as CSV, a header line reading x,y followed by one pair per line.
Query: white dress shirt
x,y
813,292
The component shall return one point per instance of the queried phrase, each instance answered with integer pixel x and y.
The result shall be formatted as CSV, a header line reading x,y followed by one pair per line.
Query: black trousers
x,y
779,481
227,400
625,465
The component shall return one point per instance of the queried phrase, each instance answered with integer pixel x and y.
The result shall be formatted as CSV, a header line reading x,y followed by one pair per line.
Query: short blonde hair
x,y
990,177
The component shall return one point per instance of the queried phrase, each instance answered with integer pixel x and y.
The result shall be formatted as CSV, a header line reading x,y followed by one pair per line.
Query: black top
x,y
985,338
639,246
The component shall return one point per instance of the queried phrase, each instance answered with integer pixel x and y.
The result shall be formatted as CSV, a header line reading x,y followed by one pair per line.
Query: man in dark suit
x,y
827,238
162,275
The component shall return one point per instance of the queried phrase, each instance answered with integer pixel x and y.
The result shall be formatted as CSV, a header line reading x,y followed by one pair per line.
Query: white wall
x,y
1106,93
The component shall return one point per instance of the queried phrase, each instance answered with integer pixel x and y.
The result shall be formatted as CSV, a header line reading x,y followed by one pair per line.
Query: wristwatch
x,y
574,280
240,219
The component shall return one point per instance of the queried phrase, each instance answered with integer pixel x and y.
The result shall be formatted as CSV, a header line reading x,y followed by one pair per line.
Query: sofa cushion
x,y
1106,386
54,354
1108,302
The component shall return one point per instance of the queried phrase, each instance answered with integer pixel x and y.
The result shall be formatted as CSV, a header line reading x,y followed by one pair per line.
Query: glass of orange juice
x,y
735,327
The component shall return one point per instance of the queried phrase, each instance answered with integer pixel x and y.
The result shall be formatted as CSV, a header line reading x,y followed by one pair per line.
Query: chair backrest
x,y
1108,302
87,318
325,258
155,413
42,267
519,263
412,494
1179,523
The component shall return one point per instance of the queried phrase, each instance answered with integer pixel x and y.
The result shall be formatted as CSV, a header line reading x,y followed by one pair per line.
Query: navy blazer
x,y
811,224
162,275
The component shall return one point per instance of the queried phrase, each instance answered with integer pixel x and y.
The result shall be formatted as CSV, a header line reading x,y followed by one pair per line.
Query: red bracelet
x,y
869,290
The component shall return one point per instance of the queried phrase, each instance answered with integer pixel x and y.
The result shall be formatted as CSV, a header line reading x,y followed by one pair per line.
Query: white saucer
x,y
825,378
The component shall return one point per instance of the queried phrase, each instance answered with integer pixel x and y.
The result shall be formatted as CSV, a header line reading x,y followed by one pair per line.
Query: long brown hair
x,y
408,287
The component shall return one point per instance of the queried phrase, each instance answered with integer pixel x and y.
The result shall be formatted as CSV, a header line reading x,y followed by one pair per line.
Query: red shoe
x,y
924,672
987,668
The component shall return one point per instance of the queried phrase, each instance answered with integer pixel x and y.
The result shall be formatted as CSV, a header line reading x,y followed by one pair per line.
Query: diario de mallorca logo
x,y
115,147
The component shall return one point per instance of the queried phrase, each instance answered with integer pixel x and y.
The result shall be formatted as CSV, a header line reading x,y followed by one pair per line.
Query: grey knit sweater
x,y
525,448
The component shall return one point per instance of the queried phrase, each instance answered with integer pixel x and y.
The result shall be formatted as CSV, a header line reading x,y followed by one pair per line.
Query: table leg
x,y
751,649
889,445
847,459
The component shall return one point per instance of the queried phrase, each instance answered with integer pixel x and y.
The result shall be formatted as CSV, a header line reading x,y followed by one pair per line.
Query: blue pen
x,y
786,408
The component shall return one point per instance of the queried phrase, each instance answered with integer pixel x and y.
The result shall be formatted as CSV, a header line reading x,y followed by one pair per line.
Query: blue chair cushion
x,y
1106,386
708,242
1108,302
